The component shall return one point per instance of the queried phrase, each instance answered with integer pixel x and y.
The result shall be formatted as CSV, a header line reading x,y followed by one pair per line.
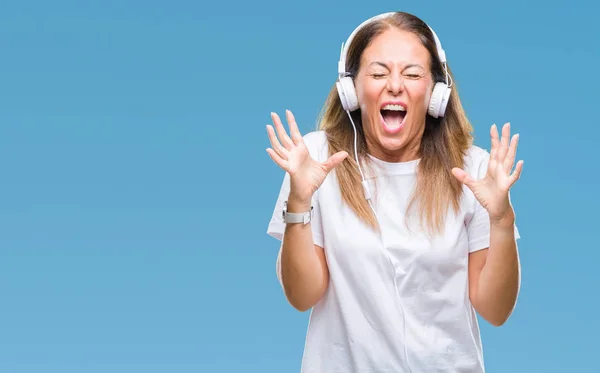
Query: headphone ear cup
x,y
347,92
439,100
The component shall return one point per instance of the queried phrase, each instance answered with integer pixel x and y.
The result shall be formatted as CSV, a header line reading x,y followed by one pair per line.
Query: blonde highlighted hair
x,y
444,143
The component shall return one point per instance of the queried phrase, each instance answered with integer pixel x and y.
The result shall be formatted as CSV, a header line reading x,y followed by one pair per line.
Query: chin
x,y
391,143
393,138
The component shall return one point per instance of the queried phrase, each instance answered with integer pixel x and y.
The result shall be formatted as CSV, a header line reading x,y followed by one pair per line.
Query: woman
x,y
397,253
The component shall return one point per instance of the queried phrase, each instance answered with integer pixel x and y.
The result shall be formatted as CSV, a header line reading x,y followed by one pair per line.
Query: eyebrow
x,y
405,67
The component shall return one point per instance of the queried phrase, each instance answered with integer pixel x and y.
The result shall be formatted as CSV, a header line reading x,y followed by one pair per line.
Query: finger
x,y
509,162
285,139
280,150
503,149
334,160
517,174
463,177
277,159
294,131
495,142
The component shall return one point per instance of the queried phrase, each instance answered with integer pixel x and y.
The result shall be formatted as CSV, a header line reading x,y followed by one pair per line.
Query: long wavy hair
x,y
444,143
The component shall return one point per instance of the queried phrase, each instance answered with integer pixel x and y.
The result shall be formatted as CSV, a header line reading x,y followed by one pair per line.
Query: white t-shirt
x,y
377,284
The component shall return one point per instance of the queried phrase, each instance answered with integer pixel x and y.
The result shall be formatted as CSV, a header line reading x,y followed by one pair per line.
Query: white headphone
x,y
347,92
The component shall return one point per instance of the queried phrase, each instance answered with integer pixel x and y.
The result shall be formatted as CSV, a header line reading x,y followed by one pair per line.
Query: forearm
x,y
499,281
304,275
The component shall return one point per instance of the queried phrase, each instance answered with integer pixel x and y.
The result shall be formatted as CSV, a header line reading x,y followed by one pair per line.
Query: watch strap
x,y
295,217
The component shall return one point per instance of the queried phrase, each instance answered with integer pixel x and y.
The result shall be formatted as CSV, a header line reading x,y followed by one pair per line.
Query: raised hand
x,y
306,174
493,190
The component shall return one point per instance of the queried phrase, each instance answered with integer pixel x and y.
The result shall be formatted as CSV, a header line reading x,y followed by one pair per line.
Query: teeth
x,y
394,108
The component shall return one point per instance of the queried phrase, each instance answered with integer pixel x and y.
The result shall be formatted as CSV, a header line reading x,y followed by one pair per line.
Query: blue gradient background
x,y
135,189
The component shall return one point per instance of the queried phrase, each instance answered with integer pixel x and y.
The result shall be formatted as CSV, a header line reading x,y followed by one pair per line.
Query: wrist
x,y
297,204
506,221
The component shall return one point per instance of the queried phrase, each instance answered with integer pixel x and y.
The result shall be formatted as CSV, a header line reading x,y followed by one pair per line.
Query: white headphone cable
x,y
368,197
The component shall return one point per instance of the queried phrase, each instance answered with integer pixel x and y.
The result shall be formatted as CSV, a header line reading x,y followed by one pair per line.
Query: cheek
x,y
420,94
368,94
426,98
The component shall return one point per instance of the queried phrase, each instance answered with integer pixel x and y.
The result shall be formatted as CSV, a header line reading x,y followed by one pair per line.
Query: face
x,y
393,85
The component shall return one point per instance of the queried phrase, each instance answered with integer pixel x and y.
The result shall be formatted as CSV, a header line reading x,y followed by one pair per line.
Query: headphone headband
x,y
344,49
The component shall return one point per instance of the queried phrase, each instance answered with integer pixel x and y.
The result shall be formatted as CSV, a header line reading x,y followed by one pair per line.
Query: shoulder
x,y
476,160
316,142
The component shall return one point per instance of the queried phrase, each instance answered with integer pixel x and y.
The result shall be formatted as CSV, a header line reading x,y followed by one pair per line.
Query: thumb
x,y
463,177
334,160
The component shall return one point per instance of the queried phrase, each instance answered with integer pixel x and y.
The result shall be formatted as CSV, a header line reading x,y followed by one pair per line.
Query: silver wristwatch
x,y
291,217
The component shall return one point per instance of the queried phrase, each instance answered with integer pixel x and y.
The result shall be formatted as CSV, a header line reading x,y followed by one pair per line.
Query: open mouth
x,y
392,116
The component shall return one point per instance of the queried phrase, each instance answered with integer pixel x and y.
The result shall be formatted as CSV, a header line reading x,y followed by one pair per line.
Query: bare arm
x,y
301,265
494,274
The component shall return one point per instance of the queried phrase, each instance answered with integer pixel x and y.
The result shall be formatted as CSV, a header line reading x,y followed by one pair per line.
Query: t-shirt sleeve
x,y
276,228
478,227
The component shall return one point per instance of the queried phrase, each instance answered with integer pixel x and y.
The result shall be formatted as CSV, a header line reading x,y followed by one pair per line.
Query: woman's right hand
x,y
306,174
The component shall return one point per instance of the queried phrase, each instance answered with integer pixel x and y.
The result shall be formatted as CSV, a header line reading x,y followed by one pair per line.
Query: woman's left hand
x,y
493,190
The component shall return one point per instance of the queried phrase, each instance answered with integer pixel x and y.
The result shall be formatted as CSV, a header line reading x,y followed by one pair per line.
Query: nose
x,y
395,84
